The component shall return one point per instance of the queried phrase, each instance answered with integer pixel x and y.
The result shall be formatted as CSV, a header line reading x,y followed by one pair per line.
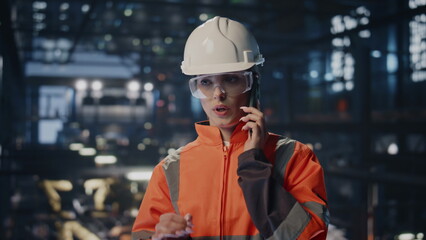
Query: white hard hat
x,y
220,45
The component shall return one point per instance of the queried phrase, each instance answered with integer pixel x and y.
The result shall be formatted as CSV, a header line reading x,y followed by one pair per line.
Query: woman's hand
x,y
255,127
173,226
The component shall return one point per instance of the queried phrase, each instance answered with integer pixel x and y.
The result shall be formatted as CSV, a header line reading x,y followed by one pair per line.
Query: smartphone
x,y
255,94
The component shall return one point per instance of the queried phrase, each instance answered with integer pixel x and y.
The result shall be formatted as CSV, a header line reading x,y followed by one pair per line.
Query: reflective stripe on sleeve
x,y
171,171
142,235
296,220
320,210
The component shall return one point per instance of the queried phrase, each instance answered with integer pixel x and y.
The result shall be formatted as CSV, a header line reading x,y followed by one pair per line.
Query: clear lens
x,y
233,84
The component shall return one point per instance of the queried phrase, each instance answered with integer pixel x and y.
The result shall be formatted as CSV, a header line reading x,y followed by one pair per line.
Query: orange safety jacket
x,y
277,193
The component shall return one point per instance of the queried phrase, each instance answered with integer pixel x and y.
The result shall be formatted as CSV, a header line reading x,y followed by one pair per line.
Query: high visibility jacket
x,y
277,193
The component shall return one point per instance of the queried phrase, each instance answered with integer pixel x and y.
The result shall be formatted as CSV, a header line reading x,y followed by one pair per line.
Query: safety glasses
x,y
232,84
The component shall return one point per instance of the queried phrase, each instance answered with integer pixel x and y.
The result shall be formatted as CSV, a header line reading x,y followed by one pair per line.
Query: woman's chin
x,y
227,125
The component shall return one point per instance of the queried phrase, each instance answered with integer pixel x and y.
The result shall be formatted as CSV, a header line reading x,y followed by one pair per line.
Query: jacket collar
x,y
211,135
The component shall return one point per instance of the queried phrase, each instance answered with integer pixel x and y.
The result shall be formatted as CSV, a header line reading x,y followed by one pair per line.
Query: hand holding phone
x,y
255,127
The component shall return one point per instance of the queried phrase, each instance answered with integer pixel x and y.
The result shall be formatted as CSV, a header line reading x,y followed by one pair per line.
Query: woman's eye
x,y
232,79
206,82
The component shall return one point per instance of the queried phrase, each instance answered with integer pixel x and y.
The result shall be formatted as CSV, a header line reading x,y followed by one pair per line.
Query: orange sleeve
x,y
155,203
304,179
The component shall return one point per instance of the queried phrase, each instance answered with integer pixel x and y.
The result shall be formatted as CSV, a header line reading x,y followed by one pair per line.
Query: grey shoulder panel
x,y
171,168
283,152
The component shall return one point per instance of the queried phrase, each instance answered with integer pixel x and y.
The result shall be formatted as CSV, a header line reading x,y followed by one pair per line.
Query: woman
x,y
236,180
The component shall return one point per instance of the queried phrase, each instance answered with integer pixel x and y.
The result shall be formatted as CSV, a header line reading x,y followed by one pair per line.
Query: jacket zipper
x,y
224,186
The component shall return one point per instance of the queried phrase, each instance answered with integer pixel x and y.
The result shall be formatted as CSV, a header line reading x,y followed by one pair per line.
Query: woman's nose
x,y
218,92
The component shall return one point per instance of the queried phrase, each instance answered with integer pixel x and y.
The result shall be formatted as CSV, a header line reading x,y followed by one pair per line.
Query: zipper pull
x,y
225,152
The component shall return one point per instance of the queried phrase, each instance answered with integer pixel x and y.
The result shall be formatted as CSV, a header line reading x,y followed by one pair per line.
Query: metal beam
x,y
83,25
373,177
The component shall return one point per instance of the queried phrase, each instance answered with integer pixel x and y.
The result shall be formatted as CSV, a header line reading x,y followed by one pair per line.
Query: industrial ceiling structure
x,y
92,97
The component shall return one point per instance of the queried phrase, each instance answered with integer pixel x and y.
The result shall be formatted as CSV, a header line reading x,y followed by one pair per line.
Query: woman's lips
x,y
221,110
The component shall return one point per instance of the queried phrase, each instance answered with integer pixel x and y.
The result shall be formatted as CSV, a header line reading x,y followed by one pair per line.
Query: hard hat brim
x,y
217,68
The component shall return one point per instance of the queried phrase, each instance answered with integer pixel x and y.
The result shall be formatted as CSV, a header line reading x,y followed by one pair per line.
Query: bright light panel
x,y
148,87
97,85
393,149
417,47
87,152
133,86
76,146
105,159
139,176
406,236
81,85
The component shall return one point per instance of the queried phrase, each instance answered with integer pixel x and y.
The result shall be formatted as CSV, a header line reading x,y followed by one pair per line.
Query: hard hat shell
x,y
220,45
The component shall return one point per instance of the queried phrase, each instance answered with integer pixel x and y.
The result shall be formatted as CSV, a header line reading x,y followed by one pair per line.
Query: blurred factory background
x,y
92,97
